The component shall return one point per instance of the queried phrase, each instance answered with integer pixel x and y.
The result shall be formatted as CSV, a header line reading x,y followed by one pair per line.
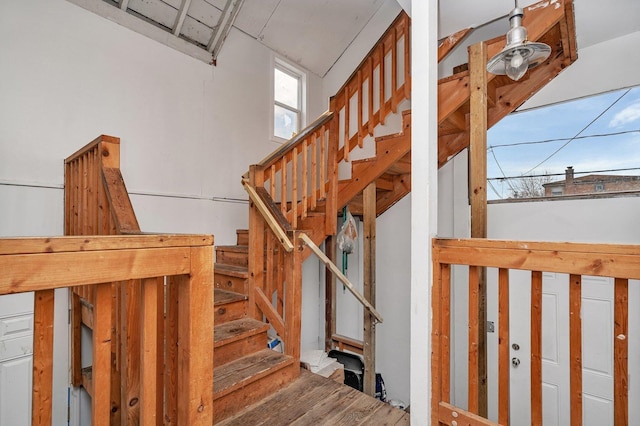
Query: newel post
x,y
256,244
293,298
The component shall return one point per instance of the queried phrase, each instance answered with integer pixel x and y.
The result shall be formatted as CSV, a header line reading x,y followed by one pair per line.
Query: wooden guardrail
x,y
175,355
620,262
97,203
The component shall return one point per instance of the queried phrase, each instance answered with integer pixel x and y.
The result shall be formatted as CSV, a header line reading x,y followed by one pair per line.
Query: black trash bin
x,y
353,368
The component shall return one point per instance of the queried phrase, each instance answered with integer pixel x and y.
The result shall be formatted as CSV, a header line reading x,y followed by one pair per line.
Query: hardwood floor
x,y
314,400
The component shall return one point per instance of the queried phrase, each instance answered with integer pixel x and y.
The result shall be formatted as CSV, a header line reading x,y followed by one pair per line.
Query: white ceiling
x,y
314,33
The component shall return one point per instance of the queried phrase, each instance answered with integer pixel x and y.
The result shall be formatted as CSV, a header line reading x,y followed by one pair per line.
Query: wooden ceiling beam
x,y
182,14
123,4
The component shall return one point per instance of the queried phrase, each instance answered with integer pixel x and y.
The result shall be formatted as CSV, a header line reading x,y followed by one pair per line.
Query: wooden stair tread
x,y
222,297
237,330
231,270
248,369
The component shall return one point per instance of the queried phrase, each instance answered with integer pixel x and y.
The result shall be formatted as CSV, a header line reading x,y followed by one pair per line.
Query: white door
x,y
597,341
16,347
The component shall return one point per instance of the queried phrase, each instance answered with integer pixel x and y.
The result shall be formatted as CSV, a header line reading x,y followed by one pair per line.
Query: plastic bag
x,y
348,234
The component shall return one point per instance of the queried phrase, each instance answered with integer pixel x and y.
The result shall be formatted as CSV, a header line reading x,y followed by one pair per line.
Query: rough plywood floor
x,y
314,400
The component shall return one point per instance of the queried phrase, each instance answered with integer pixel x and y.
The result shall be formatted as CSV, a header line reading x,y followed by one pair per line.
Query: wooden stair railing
x,y
97,203
619,262
176,388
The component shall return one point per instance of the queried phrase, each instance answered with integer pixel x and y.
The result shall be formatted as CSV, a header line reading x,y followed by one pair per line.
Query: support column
x,y
478,197
424,196
330,295
369,281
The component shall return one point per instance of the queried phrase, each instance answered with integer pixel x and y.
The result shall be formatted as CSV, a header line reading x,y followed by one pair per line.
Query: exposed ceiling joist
x,y
223,27
124,4
182,14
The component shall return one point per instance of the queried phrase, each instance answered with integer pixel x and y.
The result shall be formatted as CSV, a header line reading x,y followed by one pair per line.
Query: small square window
x,y
599,187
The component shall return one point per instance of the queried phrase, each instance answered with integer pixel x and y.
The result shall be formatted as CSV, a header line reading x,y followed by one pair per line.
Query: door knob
x,y
515,362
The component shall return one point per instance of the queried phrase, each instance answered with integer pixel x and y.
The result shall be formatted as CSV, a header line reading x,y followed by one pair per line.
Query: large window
x,y
288,100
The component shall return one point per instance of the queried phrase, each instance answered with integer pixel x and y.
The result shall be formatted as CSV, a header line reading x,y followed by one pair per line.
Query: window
x,y
599,187
288,100
556,191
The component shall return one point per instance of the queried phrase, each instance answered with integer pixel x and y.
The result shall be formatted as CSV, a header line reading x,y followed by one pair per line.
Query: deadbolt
x,y
515,362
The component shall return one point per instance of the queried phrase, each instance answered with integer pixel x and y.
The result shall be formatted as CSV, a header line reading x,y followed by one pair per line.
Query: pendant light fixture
x,y
519,54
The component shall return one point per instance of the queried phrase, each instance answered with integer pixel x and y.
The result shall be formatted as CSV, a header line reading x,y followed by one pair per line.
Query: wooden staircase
x,y
258,281
245,371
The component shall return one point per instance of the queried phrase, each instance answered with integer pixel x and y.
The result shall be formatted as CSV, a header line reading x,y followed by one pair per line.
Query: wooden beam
x,y
369,283
154,32
478,197
504,362
58,270
450,42
151,372
195,341
223,27
536,347
600,260
182,14
329,295
101,373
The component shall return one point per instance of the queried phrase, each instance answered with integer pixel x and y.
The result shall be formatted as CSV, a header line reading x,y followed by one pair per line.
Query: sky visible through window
x,y
595,135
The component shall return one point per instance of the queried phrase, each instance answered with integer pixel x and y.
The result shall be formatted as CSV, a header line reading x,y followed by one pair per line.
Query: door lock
x,y
515,362
515,346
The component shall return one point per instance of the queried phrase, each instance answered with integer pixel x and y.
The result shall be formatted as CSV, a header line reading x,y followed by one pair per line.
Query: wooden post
x,y
256,241
195,340
504,363
42,390
150,346
369,282
575,348
331,212
478,196
130,334
293,299
536,348
621,352
101,402
329,295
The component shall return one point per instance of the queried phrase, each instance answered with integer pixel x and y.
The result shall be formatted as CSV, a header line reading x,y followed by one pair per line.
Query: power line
x,y
501,171
578,134
602,135
562,174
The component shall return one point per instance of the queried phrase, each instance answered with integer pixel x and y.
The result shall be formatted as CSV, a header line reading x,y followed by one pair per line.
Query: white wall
x,y
187,129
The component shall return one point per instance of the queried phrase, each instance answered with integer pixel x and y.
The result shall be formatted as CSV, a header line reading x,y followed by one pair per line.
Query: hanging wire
x,y
577,134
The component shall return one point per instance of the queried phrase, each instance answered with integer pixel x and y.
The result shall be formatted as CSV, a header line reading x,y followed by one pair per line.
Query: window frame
x,y
301,75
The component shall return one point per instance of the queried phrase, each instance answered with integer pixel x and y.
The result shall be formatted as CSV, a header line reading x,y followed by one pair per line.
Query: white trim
x,y
129,21
302,74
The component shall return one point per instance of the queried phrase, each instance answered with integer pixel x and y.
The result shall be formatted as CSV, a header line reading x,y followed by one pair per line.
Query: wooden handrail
x,y
269,214
44,264
334,269
618,262
297,139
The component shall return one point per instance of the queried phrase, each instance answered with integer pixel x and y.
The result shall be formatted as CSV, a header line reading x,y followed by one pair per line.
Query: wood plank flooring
x,y
314,400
